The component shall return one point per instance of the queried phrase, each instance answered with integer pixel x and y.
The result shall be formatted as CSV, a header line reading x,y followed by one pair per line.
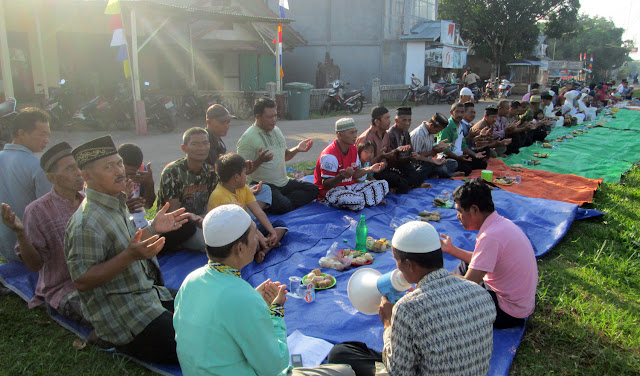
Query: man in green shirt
x,y
223,325
287,194
188,183
467,159
113,265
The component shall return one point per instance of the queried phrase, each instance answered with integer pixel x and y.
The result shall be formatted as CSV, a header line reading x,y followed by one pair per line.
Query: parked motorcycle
x,y
59,106
160,111
443,92
95,114
417,92
339,99
477,93
491,88
7,114
122,107
504,90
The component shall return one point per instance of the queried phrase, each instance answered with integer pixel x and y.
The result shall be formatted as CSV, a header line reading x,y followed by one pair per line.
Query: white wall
x,y
414,62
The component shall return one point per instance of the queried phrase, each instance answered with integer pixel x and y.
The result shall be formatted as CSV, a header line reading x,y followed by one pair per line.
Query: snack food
x,y
541,155
428,216
517,165
319,280
547,145
359,258
380,245
505,181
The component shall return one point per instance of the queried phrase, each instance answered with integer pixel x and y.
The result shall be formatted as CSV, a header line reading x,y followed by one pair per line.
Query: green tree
x,y
502,30
596,36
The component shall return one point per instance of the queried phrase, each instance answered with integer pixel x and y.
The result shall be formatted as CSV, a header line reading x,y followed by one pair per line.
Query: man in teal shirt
x,y
223,325
467,159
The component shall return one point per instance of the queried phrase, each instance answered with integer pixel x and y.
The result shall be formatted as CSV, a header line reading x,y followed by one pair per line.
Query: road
x,y
163,148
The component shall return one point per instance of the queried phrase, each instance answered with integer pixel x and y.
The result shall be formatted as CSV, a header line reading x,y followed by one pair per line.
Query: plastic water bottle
x,y
361,235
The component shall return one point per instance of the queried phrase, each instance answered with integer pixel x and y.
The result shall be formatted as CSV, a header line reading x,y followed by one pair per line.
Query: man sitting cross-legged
x,y
467,159
232,189
503,261
188,183
338,168
113,264
223,325
423,143
41,233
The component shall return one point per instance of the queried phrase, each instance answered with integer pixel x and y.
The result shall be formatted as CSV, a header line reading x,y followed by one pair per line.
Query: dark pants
x,y
156,343
475,164
503,319
517,142
394,179
292,195
174,239
409,173
356,354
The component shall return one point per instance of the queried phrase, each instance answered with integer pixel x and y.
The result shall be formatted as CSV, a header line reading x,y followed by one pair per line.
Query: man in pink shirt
x,y
40,234
503,261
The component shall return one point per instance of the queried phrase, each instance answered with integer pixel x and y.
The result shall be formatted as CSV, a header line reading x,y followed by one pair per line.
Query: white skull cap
x,y
416,237
224,225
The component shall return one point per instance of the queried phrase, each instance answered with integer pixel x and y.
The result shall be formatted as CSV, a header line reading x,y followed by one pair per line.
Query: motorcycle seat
x,y
349,93
423,89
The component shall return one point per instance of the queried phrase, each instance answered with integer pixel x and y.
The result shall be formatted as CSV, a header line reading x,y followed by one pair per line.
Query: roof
x,y
428,30
527,62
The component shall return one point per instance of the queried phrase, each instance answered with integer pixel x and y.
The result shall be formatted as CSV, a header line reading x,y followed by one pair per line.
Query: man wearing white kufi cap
x,y
443,327
223,325
338,170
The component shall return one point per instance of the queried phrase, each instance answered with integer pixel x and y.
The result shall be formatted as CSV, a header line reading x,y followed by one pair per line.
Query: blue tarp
x,y
315,227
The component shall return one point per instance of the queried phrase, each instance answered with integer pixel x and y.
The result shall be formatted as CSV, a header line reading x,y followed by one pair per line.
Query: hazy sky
x,y
624,13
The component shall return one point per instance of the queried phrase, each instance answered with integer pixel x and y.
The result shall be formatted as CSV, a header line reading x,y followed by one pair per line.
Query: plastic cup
x,y
538,143
518,179
487,175
294,284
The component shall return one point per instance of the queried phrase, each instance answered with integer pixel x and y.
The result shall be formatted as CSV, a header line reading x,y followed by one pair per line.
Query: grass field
x,y
587,320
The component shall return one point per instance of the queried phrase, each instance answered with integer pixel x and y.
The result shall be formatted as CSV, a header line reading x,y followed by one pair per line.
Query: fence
x,y
392,93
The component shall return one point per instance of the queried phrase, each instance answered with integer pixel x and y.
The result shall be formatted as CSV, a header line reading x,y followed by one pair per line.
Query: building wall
x,y
415,61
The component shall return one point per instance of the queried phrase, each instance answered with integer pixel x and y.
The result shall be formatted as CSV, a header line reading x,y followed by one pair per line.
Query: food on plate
x,y
428,216
541,155
547,145
380,245
506,181
319,279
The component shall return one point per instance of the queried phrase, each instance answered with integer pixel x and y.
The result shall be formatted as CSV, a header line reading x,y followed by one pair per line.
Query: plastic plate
x,y
304,279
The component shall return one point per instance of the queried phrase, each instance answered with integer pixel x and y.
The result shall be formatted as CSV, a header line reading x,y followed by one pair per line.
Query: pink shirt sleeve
x,y
485,255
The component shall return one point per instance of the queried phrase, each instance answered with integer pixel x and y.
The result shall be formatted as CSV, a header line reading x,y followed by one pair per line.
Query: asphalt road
x,y
163,148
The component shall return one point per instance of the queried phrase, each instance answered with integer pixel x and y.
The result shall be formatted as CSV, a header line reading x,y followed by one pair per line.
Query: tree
x,y
596,36
502,30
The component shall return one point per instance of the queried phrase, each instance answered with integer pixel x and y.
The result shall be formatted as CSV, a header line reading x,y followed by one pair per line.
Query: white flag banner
x,y
284,4
118,38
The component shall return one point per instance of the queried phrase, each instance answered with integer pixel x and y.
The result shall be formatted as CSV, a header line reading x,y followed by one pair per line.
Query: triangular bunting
x,y
115,22
122,53
118,38
113,7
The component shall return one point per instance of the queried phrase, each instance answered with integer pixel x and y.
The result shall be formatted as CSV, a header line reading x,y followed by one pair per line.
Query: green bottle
x,y
361,235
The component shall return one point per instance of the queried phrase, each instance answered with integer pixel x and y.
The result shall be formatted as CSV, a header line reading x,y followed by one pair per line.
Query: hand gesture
x,y
281,297
165,222
11,220
377,167
305,145
415,156
446,244
272,239
485,131
264,156
506,141
385,311
438,161
346,173
256,189
146,249
129,188
144,177
465,158
249,165
441,146
480,155
404,148
135,204
268,290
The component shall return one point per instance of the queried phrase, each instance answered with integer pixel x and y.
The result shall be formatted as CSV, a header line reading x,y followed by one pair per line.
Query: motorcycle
x,y
7,114
59,105
94,114
490,89
339,99
160,111
122,108
417,92
475,89
442,92
504,90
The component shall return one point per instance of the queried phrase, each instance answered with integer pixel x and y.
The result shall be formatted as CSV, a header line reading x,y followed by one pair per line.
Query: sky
x,y
624,13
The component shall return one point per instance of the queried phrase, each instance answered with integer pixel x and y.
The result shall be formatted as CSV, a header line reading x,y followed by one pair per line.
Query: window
x,y
423,10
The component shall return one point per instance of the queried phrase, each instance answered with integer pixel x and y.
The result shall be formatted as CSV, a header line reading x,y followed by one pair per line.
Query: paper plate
x,y
496,182
356,265
321,288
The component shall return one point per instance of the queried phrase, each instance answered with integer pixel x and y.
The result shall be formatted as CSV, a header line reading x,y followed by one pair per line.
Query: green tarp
x,y
603,152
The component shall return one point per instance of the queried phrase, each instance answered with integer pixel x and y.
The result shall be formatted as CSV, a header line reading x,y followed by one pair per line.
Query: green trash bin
x,y
299,100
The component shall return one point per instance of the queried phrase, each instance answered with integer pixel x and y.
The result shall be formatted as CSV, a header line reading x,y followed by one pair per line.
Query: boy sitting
x,y
232,189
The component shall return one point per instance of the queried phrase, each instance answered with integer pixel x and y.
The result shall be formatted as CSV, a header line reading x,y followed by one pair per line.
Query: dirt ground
x,y
163,148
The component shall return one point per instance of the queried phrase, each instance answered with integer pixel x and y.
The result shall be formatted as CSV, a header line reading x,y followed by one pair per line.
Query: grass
x,y
587,319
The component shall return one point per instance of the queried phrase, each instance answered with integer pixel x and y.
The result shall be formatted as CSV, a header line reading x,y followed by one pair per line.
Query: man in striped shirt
x,y
443,327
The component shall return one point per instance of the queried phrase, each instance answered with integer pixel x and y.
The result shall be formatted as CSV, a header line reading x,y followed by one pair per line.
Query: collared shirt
x,y
272,172
395,138
453,133
120,309
421,140
45,221
21,182
499,127
444,327
216,149
505,253
371,135
224,327
192,189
